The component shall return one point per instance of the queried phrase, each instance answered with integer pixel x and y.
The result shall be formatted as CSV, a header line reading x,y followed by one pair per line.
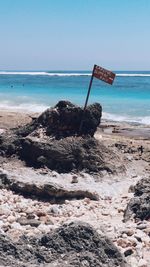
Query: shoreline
x,y
11,119
106,116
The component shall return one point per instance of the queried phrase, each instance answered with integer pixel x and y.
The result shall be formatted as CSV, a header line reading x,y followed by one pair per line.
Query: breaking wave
x,y
31,107
63,74
131,119
133,74
42,73
37,108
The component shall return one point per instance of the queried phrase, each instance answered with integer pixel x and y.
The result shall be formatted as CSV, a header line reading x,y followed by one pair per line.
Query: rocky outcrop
x,y
65,118
71,153
76,244
10,143
142,187
61,121
47,190
139,205
54,140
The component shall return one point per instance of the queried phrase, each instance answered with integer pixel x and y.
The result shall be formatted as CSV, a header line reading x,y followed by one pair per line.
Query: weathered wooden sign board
x,y
103,75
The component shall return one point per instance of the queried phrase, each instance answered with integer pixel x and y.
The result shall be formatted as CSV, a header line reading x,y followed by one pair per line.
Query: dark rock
x,y
61,121
139,205
30,216
142,187
141,226
26,221
128,252
70,245
65,118
53,140
3,179
9,143
71,153
74,179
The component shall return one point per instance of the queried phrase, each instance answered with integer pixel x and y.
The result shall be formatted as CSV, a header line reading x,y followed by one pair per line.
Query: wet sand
x,y
10,119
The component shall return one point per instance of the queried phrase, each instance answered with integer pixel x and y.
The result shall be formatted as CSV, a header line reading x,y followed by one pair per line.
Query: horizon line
x,y
58,70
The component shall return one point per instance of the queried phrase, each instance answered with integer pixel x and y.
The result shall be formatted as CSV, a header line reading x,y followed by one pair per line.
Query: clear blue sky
x,y
74,34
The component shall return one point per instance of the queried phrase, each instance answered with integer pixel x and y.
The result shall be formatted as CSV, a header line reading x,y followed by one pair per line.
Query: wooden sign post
x,y
101,74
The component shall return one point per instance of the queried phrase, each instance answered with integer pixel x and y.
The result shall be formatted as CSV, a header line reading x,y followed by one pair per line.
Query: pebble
x,y
124,235
15,225
43,228
147,231
142,263
85,263
29,211
146,254
22,214
120,210
55,174
4,209
1,224
36,231
133,241
87,201
133,262
67,201
146,240
41,213
49,222
139,250
139,235
15,233
30,216
105,213
55,210
141,226
128,252
45,219
32,222
124,243
11,219
128,232
131,237
74,179
125,196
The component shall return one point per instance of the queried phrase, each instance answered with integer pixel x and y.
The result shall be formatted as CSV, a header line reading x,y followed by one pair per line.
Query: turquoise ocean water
x,y
128,99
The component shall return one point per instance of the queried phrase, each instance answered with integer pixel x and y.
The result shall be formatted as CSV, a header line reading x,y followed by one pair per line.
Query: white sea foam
x,y
133,74
32,107
145,120
43,73
22,73
115,117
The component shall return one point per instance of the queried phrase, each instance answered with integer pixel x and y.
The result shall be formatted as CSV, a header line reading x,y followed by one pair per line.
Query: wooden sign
x,y
103,74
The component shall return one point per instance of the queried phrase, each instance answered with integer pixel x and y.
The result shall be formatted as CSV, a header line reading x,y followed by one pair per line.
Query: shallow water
x,y
128,99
